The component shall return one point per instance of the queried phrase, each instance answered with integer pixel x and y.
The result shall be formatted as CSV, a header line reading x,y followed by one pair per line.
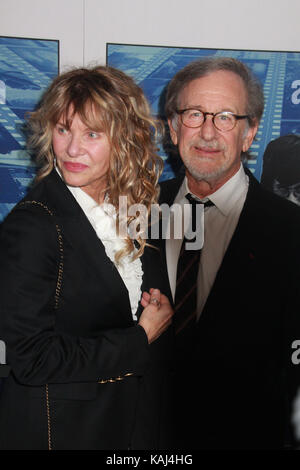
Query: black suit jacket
x,y
239,379
91,337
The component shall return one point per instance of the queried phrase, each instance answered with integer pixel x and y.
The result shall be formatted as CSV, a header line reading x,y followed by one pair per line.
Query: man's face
x,y
208,153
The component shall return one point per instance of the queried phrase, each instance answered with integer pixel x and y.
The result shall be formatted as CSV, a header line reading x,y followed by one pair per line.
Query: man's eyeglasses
x,y
223,121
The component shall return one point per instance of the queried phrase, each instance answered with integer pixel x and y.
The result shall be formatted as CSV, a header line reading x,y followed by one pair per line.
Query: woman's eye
x,y
61,130
93,135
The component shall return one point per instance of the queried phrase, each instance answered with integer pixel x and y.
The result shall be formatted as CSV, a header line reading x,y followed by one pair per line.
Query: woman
x,y
90,357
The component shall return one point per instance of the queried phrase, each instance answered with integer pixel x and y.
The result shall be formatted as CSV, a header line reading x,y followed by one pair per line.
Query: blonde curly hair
x,y
107,100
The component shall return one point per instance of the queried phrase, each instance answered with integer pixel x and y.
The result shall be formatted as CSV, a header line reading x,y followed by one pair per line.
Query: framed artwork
x,y
279,72
27,66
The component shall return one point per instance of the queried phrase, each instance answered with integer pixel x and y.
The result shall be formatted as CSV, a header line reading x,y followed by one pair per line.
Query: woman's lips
x,y
75,167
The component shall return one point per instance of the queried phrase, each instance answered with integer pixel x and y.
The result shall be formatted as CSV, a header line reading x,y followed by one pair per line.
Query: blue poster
x,y
279,72
27,66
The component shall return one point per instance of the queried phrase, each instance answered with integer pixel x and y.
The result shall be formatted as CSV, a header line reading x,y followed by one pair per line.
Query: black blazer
x,y
107,388
242,355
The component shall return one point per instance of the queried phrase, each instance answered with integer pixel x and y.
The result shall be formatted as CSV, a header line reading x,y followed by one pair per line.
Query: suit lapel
x,y
244,240
241,252
80,234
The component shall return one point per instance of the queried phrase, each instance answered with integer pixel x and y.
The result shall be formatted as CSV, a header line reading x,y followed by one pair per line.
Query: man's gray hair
x,y
203,67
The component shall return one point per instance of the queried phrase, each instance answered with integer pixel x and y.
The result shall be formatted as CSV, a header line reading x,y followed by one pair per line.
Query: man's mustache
x,y
212,145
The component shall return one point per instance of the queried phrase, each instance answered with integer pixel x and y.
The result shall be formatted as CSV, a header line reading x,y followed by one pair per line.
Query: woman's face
x,y
82,156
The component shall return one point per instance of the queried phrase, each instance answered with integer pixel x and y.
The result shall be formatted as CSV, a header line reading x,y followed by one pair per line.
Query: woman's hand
x,y
157,314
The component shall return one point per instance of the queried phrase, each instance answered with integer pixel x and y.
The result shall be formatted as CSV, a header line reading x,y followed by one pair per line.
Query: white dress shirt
x,y
220,222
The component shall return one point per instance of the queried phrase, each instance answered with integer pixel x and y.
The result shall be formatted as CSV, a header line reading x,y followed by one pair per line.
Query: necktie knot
x,y
193,201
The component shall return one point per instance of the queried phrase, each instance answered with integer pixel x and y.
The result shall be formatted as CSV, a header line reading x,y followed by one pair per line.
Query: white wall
x,y
228,24
47,19
84,26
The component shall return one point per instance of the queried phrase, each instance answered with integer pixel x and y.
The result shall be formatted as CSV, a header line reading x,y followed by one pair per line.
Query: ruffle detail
x,y
103,220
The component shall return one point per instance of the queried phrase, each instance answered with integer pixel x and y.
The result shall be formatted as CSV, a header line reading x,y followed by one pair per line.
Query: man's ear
x,y
173,132
249,137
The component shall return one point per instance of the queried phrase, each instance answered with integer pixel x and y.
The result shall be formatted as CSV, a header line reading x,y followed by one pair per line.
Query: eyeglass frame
x,y
236,116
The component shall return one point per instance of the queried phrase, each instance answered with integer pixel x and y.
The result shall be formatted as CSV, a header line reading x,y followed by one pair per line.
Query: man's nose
x,y
208,130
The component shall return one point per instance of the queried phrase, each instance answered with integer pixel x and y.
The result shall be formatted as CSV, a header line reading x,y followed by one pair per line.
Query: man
x,y
234,377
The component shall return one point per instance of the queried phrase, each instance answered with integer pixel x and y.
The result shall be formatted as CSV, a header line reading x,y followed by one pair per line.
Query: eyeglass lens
x,y
194,118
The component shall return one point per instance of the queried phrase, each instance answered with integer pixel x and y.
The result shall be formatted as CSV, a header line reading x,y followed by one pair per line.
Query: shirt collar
x,y
226,196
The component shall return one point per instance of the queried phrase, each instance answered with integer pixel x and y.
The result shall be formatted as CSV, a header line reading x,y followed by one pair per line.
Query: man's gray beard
x,y
199,175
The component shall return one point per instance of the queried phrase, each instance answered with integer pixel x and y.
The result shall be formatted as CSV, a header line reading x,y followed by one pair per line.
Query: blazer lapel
x,y
241,252
82,236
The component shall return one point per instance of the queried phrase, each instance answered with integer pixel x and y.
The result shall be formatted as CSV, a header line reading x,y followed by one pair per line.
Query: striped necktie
x,y
186,282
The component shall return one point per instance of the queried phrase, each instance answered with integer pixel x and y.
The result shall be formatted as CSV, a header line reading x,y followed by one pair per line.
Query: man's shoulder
x,y
271,205
169,189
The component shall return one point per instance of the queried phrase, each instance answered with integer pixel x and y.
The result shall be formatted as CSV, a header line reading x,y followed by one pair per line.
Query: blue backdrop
x,y
26,68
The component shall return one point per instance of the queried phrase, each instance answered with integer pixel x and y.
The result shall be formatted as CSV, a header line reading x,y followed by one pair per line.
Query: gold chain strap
x,y
61,251
56,299
48,418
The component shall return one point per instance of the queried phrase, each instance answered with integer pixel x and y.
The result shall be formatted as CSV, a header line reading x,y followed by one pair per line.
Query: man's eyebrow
x,y
200,108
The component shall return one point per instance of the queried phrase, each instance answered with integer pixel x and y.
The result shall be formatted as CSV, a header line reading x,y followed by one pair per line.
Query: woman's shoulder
x,y
31,214
37,203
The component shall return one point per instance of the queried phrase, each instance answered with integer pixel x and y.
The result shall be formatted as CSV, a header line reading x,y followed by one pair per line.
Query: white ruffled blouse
x,y
103,219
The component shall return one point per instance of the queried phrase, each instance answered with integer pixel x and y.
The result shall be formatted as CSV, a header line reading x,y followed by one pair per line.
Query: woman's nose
x,y
75,146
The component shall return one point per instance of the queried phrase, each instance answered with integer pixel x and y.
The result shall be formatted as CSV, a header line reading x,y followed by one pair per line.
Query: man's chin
x,y
207,174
